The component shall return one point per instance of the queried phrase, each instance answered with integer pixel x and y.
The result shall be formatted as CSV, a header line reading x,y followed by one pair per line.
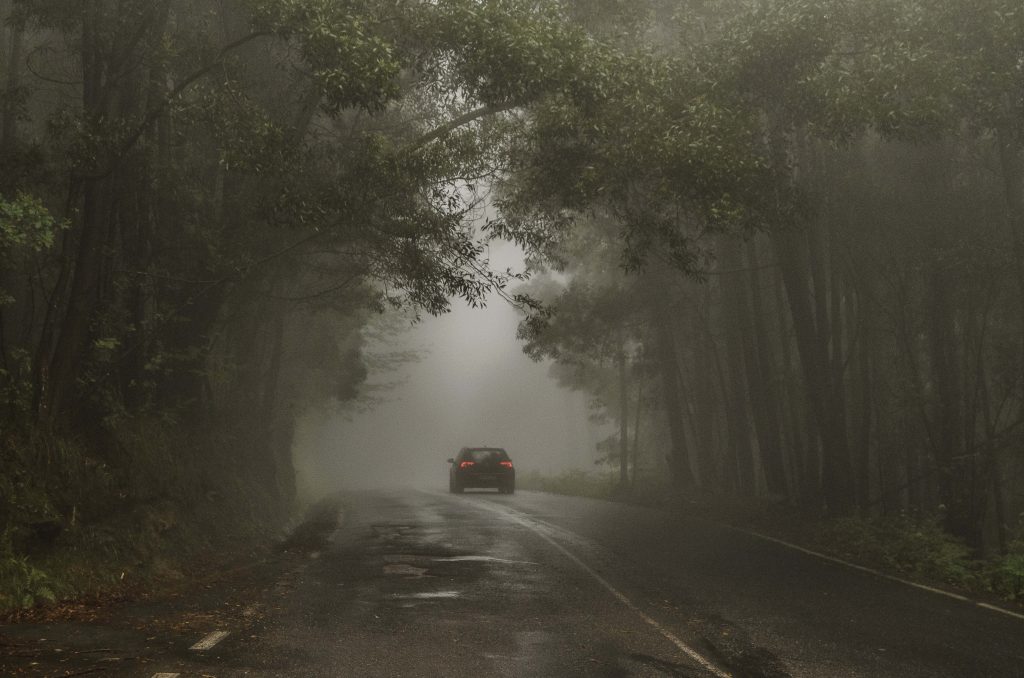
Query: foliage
x,y
25,222
26,228
1007,573
22,585
911,546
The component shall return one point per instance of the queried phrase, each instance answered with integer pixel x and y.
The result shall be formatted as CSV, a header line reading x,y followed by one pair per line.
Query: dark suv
x,y
482,467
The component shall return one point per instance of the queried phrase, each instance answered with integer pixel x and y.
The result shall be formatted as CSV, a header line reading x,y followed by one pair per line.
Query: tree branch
x,y
153,115
458,122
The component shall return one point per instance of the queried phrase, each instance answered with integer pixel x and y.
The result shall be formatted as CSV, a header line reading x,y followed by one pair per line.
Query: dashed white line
x,y
166,675
210,640
618,595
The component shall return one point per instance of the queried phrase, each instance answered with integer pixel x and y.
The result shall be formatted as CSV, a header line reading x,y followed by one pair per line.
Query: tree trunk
x,y
865,343
1013,186
620,359
704,394
678,458
764,389
734,314
9,109
812,346
955,468
636,431
72,332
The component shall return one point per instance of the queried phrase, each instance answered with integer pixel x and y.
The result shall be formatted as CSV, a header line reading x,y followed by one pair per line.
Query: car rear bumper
x,y
484,479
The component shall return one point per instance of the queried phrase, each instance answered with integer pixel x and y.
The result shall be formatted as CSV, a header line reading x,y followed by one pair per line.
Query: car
x,y
481,467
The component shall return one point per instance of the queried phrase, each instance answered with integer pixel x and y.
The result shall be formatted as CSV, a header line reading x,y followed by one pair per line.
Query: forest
x,y
780,242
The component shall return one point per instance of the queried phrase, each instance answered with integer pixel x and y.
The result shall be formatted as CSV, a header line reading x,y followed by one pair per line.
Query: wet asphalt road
x,y
429,584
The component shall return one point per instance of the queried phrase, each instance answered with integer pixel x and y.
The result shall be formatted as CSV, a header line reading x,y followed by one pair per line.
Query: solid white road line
x,y
210,640
882,575
618,595
868,570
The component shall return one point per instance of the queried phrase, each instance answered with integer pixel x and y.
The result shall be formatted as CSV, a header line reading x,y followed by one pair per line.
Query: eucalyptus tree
x,y
254,136
230,188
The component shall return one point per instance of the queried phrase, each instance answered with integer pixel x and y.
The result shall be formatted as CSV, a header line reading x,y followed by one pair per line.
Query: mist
x,y
470,385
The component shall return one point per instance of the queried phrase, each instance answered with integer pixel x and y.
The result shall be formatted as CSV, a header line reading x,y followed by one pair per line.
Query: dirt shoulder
x,y
127,630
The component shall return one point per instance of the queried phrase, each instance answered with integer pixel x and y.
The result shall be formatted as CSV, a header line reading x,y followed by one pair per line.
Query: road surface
x,y
430,584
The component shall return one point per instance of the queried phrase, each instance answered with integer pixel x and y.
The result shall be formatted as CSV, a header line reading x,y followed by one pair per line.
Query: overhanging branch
x,y
455,123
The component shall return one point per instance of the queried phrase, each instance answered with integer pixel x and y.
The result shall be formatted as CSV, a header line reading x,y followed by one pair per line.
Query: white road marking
x,y
210,640
862,568
166,675
427,595
618,595
996,608
882,575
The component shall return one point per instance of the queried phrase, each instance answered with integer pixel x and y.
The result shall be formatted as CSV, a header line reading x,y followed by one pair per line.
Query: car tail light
x,y
466,464
506,464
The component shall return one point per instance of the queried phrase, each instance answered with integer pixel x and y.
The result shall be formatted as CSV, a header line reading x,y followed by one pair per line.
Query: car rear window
x,y
482,456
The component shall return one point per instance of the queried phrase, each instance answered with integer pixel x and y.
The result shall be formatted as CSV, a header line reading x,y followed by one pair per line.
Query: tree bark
x,y
620,359
636,431
812,346
740,374
12,82
678,458
1013,186
72,331
763,382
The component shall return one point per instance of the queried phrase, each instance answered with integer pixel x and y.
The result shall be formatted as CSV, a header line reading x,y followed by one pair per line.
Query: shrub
x,y
1007,573
914,546
21,584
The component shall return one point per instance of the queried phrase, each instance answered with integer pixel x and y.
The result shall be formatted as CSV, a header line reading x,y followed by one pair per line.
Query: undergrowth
x,y
143,507
918,548
22,585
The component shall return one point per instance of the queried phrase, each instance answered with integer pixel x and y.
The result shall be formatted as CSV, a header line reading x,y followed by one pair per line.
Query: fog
x,y
471,385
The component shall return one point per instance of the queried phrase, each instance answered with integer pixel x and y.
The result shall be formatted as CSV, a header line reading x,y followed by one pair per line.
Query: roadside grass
x,y
914,547
594,485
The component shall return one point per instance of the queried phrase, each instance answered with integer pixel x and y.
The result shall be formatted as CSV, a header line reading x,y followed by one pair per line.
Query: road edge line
x,y
703,661
872,571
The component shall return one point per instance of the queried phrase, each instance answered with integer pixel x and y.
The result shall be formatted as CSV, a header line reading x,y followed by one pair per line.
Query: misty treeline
x,y
793,227
823,297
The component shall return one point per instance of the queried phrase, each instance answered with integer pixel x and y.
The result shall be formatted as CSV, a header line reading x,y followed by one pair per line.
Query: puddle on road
x,y
412,558
426,595
404,569
391,532
481,559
